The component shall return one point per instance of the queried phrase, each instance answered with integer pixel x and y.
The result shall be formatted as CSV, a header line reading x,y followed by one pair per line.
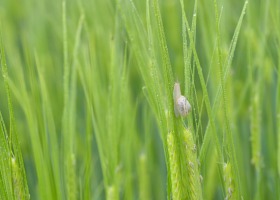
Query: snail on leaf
x,y
182,106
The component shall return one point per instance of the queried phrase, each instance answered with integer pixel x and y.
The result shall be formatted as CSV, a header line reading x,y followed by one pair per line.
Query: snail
x,y
182,106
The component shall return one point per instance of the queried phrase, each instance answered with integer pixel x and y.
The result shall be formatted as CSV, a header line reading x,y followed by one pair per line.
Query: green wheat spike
x,y
193,177
174,168
229,182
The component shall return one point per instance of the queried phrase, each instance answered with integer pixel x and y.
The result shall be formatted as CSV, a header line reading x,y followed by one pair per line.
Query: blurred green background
x,y
110,123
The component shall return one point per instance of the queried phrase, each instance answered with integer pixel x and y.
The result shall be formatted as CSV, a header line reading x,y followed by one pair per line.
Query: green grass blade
x,y
225,76
204,89
15,151
5,168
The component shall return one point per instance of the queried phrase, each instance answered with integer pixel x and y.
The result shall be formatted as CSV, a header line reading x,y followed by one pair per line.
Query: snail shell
x,y
182,106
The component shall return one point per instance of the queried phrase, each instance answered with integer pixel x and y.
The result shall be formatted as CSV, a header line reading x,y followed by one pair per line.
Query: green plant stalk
x,y
49,124
278,104
67,148
256,132
278,111
71,166
72,178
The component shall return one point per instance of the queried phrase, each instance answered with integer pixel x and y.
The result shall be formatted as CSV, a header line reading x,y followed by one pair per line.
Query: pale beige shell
x,y
182,106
